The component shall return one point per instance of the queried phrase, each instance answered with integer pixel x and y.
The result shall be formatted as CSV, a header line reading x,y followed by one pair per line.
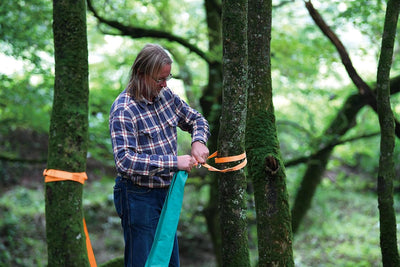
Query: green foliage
x,y
25,29
22,228
293,45
25,102
340,230
309,86
195,199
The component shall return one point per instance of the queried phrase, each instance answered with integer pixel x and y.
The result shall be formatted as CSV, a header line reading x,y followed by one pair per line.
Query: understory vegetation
x,y
341,228
310,89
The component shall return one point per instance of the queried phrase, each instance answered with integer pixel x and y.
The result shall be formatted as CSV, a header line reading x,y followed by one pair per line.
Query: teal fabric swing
x,y
163,243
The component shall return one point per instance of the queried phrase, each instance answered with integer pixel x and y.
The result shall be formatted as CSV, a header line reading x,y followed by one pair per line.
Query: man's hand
x,y
200,152
186,163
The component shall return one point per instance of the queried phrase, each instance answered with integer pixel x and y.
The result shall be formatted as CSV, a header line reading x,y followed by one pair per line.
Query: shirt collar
x,y
144,102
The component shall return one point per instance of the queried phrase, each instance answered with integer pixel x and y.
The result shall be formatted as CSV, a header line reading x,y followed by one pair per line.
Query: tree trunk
x,y
211,106
231,138
265,162
386,173
68,135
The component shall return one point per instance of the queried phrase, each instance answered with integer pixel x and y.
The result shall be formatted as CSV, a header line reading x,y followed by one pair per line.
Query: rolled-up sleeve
x,y
192,121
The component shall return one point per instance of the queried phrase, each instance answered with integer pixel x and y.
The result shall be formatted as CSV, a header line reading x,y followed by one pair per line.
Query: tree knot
x,y
271,165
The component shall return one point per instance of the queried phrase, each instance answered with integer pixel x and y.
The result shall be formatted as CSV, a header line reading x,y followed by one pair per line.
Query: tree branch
x,y
305,159
7,158
362,86
394,89
282,3
138,32
357,80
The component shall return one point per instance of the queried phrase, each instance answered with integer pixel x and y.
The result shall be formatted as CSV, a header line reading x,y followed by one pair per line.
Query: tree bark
x,y
211,106
68,135
274,232
232,188
386,173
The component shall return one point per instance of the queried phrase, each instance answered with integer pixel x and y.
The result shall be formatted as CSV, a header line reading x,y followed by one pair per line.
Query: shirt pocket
x,y
148,136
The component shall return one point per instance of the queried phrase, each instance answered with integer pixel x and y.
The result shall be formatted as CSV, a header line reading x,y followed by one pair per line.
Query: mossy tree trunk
x,y
265,165
211,106
231,138
386,173
68,135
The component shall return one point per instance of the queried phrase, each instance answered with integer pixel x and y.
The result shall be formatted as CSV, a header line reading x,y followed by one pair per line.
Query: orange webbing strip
x,y
89,248
57,175
231,158
227,159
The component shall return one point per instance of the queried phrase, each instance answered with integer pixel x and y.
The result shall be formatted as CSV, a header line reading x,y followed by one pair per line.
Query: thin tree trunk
x,y
68,135
265,167
235,250
211,103
386,173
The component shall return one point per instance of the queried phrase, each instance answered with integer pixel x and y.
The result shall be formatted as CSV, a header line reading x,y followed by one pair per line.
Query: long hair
x,y
146,66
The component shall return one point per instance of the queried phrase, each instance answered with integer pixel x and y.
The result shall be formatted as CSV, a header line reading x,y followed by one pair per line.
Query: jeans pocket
x,y
118,201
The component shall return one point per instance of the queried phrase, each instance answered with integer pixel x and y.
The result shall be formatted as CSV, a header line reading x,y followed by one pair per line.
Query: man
x,y
143,121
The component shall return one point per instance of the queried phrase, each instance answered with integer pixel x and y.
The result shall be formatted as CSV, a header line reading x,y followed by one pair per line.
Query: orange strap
x,y
57,175
89,248
80,177
225,160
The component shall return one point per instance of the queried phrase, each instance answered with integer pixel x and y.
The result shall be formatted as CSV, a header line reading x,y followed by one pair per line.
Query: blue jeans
x,y
139,209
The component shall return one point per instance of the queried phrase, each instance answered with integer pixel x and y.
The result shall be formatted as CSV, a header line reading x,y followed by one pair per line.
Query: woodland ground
x,y
341,228
22,227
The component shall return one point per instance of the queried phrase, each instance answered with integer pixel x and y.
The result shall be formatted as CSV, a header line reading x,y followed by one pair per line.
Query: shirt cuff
x,y
199,140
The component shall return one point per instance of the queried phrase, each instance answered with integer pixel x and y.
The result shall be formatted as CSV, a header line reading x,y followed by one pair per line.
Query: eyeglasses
x,y
164,79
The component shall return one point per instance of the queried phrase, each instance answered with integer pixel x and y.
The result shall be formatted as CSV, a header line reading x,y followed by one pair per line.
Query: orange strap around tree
x,y
57,175
225,160
80,177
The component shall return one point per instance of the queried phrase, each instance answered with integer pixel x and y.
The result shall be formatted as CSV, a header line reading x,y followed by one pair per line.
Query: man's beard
x,y
156,91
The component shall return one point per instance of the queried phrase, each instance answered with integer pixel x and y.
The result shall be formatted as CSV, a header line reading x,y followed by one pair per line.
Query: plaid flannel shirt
x,y
144,136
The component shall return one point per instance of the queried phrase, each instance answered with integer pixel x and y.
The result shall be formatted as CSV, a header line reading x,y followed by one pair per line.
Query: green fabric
x,y
163,243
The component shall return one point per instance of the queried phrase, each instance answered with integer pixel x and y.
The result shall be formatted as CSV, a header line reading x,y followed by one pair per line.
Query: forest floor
x,y
340,229
22,231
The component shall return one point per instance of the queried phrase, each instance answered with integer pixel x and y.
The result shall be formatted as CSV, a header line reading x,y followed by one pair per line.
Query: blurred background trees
x,y
313,98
